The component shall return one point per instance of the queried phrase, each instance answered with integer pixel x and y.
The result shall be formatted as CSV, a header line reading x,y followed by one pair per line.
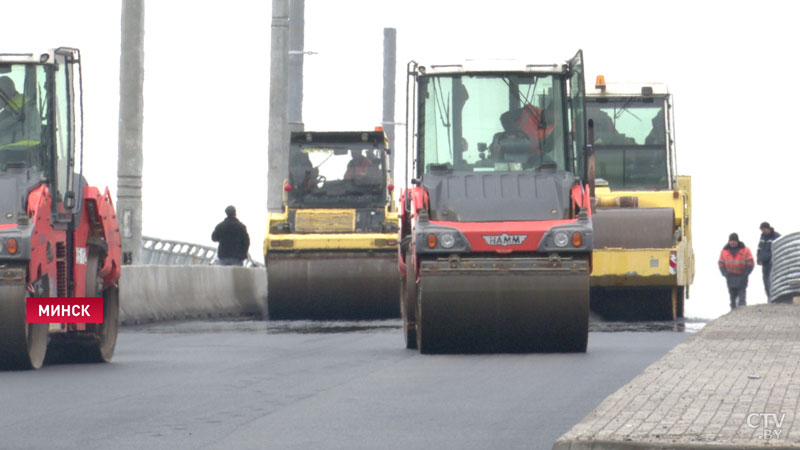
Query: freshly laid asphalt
x,y
310,385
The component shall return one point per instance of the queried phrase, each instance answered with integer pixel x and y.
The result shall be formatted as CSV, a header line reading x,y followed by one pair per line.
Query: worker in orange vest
x,y
735,264
531,124
357,167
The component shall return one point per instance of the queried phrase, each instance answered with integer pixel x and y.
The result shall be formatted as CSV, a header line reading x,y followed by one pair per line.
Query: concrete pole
x,y
296,44
131,118
277,154
389,71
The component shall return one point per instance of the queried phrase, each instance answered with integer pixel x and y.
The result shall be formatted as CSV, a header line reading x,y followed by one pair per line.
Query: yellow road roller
x,y
332,252
643,262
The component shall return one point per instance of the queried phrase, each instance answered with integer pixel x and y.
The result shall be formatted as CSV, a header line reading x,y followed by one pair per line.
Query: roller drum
x,y
332,285
505,309
636,303
22,345
633,228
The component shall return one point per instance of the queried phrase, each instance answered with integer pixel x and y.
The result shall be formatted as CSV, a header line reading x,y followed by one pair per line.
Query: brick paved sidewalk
x,y
735,384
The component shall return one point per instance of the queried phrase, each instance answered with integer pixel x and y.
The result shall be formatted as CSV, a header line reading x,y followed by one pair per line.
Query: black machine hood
x,y
499,196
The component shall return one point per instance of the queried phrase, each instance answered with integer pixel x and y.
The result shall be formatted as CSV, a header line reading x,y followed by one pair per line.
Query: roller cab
x,y
495,220
643,262
332,252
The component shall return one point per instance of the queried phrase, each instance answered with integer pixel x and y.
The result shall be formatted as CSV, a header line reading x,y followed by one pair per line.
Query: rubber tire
x,y
103,349
408,300
26,343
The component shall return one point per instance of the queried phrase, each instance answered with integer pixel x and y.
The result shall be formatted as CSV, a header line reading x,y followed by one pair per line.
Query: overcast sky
x,y
731,67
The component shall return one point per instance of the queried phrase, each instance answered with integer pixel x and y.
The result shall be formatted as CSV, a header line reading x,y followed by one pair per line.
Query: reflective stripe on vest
x,y
736,265
15,103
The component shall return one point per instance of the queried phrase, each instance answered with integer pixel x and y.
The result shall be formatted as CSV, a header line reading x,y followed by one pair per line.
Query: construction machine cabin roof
x,y
626,89
44,56
489,66
331,137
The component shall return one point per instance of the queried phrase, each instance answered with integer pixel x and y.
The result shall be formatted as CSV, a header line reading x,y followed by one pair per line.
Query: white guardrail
x,y
166,252
169,252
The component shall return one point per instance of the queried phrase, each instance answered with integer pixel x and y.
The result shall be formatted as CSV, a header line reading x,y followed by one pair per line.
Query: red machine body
x,y
496,230
59,236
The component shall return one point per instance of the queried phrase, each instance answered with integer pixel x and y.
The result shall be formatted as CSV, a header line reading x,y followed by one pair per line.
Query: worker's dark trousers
x,y
765,270
740,293
230,262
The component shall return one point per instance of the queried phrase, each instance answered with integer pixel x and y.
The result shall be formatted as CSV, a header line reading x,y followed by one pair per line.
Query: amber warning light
x,y
600,83
64,310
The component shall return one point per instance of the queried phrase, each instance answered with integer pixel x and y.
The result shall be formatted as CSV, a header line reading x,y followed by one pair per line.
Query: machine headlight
x,y
561,239
447,240
439,239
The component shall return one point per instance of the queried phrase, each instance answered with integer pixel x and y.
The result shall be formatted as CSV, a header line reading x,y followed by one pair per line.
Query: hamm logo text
x,y
505,239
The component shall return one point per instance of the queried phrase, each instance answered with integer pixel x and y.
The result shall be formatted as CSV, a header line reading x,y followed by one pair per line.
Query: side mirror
x,y
69,200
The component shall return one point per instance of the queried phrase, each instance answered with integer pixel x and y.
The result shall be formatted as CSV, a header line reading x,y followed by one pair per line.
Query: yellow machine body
x,y
332,252
673,265
642,261
322,230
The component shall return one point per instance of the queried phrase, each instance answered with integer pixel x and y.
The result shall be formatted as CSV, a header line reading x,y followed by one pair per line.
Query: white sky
x,y
207,92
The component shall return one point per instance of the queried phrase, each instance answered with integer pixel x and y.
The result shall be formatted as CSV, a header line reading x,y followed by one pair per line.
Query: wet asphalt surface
x,y
242,384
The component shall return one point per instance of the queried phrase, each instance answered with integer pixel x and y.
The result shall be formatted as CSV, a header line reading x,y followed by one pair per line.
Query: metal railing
x,y
166,252
157,251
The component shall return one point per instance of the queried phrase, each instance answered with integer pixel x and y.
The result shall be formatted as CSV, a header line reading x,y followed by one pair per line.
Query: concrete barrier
x,y
152,293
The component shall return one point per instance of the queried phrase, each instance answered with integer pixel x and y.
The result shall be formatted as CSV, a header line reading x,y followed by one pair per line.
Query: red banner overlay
x,y
65,310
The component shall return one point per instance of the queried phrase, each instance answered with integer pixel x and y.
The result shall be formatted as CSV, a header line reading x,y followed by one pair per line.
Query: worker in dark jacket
x,y
764,253
735,264
234,242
